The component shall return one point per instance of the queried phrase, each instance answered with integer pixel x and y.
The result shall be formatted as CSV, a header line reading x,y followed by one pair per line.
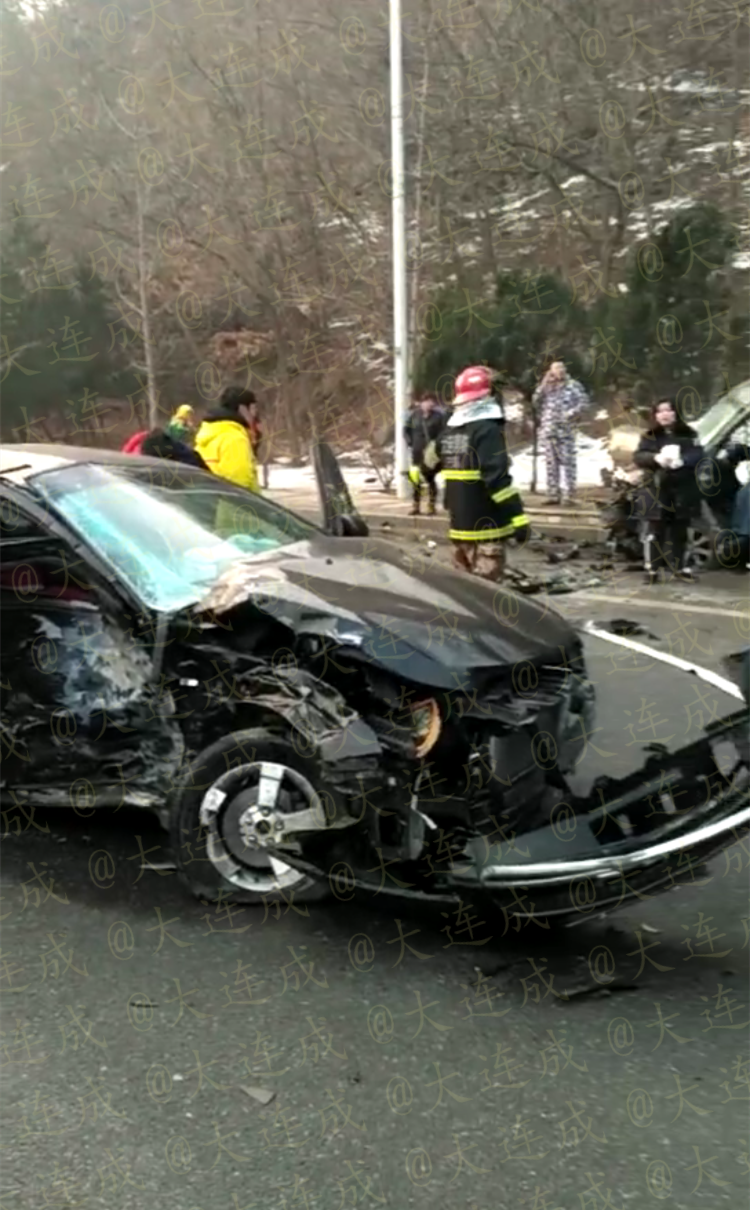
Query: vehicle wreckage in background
x,y
724,433
312,714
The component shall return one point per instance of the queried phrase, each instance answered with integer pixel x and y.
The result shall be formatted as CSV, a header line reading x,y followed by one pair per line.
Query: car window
x,y
35,565
15,525
714,422
168,536
742,433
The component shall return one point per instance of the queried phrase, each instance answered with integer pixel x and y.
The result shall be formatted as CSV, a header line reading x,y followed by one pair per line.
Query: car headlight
x,y
426,726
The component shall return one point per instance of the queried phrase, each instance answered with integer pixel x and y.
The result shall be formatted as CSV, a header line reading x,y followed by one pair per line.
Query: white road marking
x,y
648,603
711,678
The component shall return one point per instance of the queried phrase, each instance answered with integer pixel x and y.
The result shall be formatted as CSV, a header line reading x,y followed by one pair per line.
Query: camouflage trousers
x,y
485,559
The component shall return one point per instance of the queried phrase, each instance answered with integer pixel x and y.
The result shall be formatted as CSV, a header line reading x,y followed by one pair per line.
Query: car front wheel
x,y
231,808
704,541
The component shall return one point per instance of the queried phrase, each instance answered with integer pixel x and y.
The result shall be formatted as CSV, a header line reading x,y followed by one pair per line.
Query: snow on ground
x,y
592,457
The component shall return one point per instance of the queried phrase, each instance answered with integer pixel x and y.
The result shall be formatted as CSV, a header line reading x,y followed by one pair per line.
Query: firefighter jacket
x,y
484,505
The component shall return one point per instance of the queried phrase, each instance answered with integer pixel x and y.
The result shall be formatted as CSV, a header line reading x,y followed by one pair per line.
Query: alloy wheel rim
x,y
242,812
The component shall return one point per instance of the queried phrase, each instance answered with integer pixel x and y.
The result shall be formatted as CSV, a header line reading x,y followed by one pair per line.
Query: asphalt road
x,y
157,1051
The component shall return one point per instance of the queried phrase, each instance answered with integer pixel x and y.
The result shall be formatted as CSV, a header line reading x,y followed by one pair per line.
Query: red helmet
x,y
472,383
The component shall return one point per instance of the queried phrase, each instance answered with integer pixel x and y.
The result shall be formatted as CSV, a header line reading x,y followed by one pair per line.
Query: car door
x,y
340,516
82,718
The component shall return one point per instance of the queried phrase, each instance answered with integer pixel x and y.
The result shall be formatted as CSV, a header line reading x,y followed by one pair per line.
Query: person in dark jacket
x,y
739,522
668,452
159,444
424,425
485,508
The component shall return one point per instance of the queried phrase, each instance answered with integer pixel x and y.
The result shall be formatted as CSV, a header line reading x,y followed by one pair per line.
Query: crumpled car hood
x,y
366,594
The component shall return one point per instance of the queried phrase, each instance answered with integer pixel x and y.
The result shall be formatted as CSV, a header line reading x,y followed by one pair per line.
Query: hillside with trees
x,y
197,191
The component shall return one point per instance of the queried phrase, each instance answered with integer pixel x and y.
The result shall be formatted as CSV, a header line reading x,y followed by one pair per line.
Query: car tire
x,y
704,532
204,854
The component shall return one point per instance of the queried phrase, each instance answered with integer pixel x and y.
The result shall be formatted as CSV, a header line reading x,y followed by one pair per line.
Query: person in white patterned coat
x,y
562,400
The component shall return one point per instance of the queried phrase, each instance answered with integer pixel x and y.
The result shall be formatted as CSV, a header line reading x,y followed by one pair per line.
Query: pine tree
x,y
58,349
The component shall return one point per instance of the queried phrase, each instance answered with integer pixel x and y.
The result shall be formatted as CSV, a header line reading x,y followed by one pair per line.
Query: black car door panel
x,y
79,704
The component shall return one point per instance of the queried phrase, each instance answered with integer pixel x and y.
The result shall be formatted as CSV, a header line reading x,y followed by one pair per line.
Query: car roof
x,y
20,462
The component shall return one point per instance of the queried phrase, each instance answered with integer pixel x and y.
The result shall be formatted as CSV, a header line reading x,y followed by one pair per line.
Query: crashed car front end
x,y
421,747
645,813
544,776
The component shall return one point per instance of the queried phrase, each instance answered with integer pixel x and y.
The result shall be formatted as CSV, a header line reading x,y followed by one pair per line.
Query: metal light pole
x,y
400,322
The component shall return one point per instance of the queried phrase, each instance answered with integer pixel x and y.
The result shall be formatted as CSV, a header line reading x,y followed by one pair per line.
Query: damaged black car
x,y
311,713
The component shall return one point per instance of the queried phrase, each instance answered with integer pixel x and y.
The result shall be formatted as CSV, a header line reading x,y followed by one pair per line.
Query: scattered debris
x,y
158,865
737,667
264,1095
564,556
593,988
626,629
569,583
493,964
649,928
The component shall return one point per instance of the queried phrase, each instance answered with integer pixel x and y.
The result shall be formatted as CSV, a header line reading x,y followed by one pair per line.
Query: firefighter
x,y
485,509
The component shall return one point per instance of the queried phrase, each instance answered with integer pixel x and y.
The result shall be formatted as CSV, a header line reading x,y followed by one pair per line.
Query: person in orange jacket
x,y
224,442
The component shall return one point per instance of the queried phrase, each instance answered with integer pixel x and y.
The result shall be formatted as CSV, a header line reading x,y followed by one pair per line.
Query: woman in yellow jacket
x,y
223,439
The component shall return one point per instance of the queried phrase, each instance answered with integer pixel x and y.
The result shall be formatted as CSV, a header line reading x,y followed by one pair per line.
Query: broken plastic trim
x,y
605,867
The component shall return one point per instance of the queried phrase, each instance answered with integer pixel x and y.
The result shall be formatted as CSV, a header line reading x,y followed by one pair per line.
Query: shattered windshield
x,y
169,534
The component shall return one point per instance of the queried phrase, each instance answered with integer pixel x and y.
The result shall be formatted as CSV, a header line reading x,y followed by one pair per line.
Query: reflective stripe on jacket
x,y
484,505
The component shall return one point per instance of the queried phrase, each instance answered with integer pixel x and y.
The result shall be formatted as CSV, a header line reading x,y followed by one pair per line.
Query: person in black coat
x,y
669,453
424,425
739,523
159,444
